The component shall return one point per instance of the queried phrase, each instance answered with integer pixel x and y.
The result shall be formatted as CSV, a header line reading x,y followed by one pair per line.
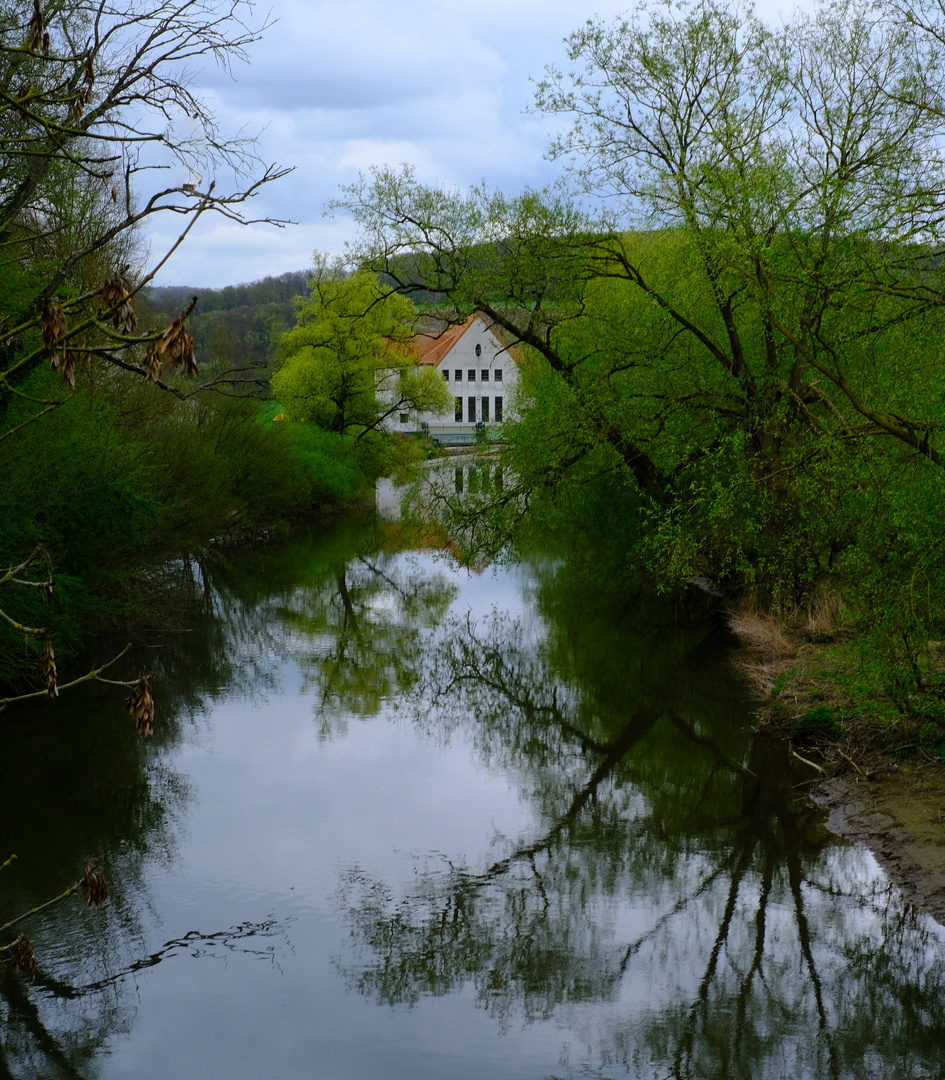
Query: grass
x,y
804,664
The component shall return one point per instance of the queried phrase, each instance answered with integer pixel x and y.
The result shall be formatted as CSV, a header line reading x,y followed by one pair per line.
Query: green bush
x,y
817,723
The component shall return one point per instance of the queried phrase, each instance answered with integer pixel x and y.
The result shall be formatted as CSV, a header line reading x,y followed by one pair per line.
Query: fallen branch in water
x,y
813,764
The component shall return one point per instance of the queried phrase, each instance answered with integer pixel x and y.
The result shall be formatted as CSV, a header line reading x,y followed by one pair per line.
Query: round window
x,y
478,350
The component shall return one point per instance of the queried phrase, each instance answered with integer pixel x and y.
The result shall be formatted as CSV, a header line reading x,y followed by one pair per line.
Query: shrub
x,y
817,723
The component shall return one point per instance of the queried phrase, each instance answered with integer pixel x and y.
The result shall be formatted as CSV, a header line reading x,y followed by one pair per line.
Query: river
x,y
402,820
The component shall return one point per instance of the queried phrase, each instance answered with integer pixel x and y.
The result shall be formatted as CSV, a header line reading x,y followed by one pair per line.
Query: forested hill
x,y
239,325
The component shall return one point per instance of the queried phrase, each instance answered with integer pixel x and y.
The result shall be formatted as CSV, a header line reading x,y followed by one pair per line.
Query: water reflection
x,y
358,634
675,904
662,902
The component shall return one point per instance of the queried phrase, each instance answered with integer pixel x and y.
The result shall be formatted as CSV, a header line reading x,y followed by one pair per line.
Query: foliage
x,y
131,479
735,349
96,101
349,368
237,327
817,723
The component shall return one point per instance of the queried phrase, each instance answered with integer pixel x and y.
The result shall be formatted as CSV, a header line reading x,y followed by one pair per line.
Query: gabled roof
x,y
432,349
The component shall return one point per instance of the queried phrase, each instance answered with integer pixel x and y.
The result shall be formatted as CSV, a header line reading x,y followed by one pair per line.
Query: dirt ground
x,y
899,815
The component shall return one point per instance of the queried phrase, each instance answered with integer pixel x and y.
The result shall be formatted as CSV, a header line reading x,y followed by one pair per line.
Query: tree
x,y
349,366
737,341
94,101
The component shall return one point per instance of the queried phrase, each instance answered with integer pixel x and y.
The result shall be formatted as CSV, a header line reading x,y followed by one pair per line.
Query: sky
x,y
338,86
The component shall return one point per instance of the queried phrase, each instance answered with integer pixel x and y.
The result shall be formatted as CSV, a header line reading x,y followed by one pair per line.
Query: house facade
x,y
481,374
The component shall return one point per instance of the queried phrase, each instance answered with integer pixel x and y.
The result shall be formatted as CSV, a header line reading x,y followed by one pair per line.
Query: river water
x,y
401,820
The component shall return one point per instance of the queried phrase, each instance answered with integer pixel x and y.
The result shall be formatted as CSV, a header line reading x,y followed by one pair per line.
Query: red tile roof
x,y
434,348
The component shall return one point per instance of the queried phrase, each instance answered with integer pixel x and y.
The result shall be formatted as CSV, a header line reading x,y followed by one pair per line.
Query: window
x,y
458,375
498,410
458,415
458,481
446,375
485,409
498,375
404,417
484,375
471,374
478,350
470,410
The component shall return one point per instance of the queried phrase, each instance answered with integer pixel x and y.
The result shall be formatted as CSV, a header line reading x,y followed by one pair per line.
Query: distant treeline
x,y
238,326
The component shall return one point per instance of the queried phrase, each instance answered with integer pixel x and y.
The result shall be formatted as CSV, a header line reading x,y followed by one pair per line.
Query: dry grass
x,y
779,654
768,648
823,616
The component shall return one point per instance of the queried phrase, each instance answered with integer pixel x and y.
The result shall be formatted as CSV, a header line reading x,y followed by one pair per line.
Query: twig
x,y
93,674
852,762
812,764
41,907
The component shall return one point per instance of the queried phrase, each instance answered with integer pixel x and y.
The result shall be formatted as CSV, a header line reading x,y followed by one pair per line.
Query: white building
x,y
481,373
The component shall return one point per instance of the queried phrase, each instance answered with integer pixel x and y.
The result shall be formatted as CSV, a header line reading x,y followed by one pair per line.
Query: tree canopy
x,y
729,307
348,365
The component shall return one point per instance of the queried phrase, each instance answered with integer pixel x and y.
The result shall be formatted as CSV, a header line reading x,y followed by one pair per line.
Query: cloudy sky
x,y
338,86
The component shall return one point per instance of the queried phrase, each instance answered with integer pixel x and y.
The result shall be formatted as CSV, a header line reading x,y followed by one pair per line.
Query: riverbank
x,y
899,814
871,768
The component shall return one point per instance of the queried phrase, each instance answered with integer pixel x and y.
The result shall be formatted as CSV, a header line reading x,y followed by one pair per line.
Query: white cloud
x,y
338,87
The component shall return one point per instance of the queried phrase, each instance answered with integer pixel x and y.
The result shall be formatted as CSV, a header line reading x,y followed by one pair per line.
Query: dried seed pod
x,y
178,346
68,369
48,667
116,295
152,361
21,955
140,705
93,886
52,327
34,34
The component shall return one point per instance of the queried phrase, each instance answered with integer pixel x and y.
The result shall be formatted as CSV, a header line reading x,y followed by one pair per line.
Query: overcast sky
x,y
342,85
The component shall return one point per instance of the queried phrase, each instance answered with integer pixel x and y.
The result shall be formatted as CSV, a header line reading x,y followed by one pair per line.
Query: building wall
x,y
495,375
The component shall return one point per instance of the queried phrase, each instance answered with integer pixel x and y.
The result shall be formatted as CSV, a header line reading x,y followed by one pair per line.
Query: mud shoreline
x,y
900,817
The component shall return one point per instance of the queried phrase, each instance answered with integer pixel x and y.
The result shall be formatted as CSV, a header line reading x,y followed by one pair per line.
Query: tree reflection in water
x,y
359,633
677,881
107,793
674,904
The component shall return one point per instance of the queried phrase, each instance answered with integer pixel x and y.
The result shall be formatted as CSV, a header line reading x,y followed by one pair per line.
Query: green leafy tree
x,y
739,337
349,366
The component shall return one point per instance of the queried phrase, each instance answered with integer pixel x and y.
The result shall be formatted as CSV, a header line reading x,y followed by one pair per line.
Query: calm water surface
x,y
400,820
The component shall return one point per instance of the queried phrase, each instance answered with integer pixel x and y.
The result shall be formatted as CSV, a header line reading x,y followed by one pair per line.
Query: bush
x,y
817,723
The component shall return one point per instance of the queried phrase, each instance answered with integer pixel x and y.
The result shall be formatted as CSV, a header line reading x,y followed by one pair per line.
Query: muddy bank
x,y
893,806
900,816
